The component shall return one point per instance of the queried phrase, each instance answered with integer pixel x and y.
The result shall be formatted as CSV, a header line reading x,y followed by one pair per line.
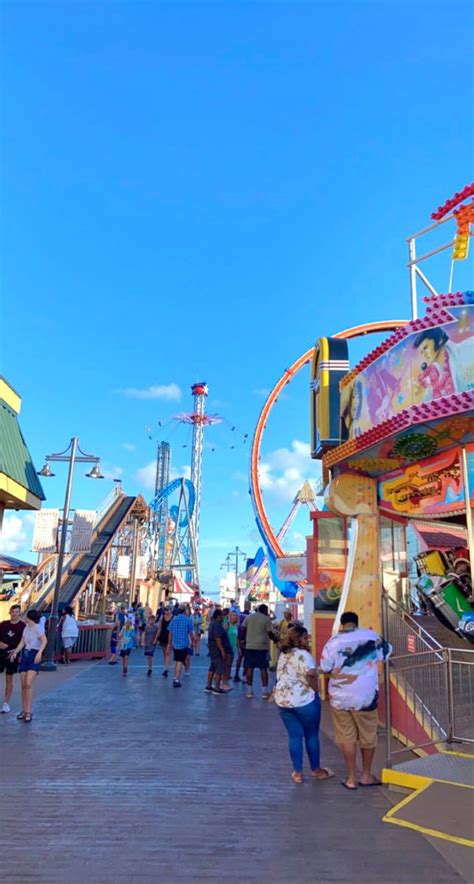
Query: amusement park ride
x,y
175,541
407,410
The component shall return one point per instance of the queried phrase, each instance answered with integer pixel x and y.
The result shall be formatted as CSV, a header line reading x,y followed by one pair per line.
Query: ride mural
x,y
423,367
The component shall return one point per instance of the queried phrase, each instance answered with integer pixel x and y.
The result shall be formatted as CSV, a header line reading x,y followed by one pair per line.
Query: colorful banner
x,y
425,366
433,487
291,568
82,530
45,536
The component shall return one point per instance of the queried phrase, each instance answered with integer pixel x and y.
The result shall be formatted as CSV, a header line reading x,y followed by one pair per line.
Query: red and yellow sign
x,y
433,487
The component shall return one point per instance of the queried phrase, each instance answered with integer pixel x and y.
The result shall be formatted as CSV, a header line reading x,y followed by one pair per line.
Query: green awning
x,y
15,459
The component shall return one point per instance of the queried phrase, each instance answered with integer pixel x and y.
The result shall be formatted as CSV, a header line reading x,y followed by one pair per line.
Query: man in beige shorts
x,y
351,659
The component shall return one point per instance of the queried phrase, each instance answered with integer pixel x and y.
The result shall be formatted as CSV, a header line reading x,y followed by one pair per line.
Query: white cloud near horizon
x,y
283,471
17,534
168,392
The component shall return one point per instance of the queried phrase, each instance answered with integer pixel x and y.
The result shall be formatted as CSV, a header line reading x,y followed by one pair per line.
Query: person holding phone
x,y
31,647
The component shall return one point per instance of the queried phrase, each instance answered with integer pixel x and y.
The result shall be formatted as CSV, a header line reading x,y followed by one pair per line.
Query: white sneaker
x,y
187,674
6,708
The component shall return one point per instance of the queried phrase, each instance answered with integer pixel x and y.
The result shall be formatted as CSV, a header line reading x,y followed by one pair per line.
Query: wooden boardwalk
x,y
127,780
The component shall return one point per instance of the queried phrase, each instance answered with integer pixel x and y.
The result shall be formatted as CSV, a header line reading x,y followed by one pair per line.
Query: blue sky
x,y
197,192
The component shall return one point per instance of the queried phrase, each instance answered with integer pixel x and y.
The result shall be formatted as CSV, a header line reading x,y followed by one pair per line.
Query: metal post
x,y
91,598
134,560
106,581
237,553
467,499
450,693
49,664
412,266
386,675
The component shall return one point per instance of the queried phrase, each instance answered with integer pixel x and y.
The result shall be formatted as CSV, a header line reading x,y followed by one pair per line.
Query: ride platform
x,y
441,798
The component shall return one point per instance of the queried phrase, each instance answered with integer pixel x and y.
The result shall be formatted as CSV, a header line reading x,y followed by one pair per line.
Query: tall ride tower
x,y
200,392
163,457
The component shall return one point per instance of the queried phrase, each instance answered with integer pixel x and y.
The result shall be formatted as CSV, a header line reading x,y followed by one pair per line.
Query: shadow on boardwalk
x,y
129,780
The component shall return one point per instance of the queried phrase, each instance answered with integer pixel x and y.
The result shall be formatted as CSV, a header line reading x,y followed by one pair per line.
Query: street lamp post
x,y
237,553
69,455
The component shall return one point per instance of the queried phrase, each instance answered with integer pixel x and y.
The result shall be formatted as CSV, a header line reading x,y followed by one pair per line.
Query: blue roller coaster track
x,y
183,528
168,491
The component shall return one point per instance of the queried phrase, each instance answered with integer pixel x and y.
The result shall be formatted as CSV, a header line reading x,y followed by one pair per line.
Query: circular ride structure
x,y
263,523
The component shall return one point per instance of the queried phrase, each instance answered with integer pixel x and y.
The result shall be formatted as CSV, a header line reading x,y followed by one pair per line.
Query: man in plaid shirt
x,y
181,637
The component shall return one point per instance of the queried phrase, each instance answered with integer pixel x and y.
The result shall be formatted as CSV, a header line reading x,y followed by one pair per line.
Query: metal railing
x,y
401,630
429,689
93,642
43,582
107,503
429,699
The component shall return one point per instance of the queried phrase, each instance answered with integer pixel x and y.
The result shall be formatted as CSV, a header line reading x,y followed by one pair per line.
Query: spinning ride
x,y
271,539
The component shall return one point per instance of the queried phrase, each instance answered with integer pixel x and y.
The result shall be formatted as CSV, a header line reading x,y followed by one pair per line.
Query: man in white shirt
x,y
351,658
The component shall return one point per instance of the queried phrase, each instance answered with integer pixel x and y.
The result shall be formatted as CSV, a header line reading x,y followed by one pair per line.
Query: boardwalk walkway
x,y
129,780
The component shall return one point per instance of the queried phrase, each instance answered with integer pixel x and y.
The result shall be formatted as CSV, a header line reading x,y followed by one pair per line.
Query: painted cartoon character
x,y
353,410
435,374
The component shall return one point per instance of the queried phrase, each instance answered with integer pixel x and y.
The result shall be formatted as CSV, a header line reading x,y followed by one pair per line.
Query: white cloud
x,y
16,533
261,391
282,472
146,475
169,392
129,446
111,472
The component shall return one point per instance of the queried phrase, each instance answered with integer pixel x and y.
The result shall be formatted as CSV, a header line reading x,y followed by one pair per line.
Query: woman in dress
x,y
31,647
163,639
296,695
197,626
69,633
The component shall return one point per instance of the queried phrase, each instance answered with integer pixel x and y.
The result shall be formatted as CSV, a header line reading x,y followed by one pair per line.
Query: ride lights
x,y
464,218
463,194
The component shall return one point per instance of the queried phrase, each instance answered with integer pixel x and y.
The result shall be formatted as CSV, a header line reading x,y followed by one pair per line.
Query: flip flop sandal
x,y
297,777
349,788
28,717
328,773
21,716
375,782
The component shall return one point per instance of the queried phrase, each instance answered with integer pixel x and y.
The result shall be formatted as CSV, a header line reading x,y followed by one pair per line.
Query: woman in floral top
x,y
296,695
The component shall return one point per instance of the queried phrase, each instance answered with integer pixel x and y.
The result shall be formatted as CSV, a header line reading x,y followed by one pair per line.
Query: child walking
x,y
150,638
127,643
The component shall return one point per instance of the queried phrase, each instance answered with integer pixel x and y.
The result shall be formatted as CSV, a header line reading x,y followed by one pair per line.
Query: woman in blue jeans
x,y
296,695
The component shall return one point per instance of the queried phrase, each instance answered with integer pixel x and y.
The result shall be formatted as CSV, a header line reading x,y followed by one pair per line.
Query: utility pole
x,y
237,555
227,564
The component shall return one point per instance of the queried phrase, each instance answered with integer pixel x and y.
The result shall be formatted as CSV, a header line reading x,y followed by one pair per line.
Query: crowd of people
x,y
237,642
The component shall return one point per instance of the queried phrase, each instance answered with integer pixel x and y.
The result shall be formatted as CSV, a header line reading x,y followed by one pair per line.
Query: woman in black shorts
x,y
163,638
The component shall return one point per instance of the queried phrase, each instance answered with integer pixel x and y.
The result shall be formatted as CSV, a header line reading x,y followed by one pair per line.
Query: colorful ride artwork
x,y
396,439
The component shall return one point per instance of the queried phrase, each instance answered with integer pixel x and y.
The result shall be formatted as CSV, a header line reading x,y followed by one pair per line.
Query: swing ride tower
x,y
200,392
163,457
